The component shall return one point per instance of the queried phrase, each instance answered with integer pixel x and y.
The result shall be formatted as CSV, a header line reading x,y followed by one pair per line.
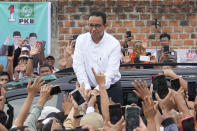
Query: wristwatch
x,y
78,116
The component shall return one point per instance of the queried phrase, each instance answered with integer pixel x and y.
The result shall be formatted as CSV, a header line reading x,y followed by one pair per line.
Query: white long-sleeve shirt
x,y
103,57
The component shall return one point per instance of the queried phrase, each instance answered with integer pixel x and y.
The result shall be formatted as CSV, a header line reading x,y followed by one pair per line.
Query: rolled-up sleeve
x,y
32,119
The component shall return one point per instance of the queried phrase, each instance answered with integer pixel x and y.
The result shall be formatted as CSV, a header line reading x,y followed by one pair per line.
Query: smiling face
x,y
16,40
45,71
96,27
50,61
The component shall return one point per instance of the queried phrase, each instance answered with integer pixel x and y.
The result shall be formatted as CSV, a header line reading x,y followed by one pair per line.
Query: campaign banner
x,y
22,19
183,56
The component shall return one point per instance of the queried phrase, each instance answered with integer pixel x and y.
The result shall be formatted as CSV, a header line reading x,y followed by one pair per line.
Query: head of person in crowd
x,y
93,119
50,60
165,39
32,39
47,112
16,38
45,70
4,78
23,59
97,24
25,51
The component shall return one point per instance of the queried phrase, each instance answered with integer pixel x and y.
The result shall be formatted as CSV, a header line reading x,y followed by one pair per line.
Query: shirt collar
x,y
100,42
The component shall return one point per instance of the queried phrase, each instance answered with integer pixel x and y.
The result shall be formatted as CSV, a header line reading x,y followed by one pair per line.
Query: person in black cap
x,y
50,60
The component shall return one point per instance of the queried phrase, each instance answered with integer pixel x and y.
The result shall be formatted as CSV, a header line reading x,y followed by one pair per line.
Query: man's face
x,y
3,79
164,41
32,40
96,27
23,65
50,61
45,71
16,40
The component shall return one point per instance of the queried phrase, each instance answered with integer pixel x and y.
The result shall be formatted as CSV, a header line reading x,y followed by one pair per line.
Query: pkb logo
x,y
26,13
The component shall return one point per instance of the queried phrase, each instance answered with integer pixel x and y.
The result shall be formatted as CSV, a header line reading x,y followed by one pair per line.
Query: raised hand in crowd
x,y
7,41
35,50
32,119
35,87
163,57
10,66
127,58
44,94
170,73
69,48
100,79
32,90
141,89
21,43
66,60
149,112
177,118
142,126
181,104
167,103
67,104
119,126
82,90
144,43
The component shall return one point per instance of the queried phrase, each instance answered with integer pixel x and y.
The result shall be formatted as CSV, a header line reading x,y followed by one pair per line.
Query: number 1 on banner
x,y
11,8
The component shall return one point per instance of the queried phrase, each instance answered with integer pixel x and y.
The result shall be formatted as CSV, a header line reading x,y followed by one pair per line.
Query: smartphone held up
x,y
55,90
160,85
132,117
10,50
78,98
115,113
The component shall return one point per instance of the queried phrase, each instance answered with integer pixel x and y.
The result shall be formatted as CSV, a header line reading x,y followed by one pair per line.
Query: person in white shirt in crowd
x,y
99,50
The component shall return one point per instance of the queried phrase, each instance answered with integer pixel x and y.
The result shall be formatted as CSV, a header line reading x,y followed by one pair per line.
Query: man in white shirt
x,y
101,51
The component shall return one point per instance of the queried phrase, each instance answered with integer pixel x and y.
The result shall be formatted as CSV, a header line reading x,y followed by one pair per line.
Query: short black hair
x,y
46,65
5,74
165,35
99,13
